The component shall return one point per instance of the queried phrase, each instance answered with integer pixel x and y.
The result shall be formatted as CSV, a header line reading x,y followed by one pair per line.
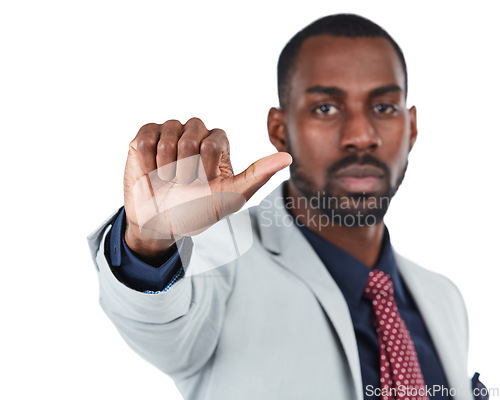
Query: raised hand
x,y
179,181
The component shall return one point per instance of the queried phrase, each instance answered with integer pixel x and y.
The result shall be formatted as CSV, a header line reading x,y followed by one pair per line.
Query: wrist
x,y
145,247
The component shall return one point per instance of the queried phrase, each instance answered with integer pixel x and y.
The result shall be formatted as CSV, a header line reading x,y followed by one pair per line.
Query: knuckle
x,y
188,145
172,124
221,136
209,146
220,132
146,145
195,124
194,121
167,146
147,128
250,173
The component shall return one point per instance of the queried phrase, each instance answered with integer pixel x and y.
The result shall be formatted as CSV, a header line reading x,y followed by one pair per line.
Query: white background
x,y
78,79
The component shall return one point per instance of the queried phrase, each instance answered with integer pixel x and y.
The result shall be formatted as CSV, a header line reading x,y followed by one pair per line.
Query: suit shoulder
x,y
433,279
435,287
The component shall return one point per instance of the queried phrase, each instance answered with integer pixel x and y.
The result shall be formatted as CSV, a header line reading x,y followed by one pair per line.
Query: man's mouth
x,y
357,178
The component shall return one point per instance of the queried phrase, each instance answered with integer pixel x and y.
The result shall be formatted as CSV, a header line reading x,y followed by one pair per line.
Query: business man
x,y
315,304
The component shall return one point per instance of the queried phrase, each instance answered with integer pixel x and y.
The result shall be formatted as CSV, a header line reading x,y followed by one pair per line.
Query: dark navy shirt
x,y
351,276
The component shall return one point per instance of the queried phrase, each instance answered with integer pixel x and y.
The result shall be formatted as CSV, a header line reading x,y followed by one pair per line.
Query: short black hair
x,y
338,25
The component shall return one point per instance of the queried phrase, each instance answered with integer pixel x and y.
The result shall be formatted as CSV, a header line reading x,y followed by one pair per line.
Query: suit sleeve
x,y
177,330
132,271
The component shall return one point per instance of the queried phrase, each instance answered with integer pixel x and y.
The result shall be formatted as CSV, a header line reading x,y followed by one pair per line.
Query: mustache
x,y
365,159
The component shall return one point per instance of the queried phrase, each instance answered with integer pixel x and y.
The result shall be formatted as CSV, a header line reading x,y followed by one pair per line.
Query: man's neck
x,y
363,243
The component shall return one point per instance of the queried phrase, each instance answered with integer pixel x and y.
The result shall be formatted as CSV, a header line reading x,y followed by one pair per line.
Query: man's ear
x,y
276,129
413,126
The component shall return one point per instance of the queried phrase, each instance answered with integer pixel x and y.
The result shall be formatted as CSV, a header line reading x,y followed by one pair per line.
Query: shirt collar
x,y
351,274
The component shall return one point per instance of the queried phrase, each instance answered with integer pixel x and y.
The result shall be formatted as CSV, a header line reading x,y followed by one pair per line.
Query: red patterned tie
x,y
400,375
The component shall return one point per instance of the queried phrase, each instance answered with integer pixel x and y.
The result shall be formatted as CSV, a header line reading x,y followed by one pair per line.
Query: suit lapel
x,y
292,251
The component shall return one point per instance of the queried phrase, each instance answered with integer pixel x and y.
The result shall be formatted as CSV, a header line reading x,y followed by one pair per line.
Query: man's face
x,y
347,125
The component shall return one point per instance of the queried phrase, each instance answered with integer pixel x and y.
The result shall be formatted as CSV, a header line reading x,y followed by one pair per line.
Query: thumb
x,y
257,174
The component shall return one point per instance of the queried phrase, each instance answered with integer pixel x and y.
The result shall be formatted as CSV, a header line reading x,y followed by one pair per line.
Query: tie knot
x,y
378,283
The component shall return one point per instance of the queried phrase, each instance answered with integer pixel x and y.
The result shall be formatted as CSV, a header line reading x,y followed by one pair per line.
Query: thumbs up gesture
x,y
179,181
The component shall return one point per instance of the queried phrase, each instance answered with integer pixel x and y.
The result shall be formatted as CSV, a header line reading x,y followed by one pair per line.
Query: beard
x,y
341,208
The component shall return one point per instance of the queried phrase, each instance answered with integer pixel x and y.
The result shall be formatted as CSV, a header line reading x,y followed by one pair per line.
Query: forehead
x,y
355,65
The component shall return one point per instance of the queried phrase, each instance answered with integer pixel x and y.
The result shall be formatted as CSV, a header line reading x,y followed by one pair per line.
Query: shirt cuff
x,y
134,272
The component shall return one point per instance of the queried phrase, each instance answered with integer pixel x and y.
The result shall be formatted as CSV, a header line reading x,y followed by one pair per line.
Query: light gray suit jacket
x,y
269,322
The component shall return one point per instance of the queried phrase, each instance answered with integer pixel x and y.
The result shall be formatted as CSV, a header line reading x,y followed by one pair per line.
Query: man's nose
x,y
358,133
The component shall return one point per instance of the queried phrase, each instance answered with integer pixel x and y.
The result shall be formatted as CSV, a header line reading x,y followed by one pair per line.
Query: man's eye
x,y
384,109
326,109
